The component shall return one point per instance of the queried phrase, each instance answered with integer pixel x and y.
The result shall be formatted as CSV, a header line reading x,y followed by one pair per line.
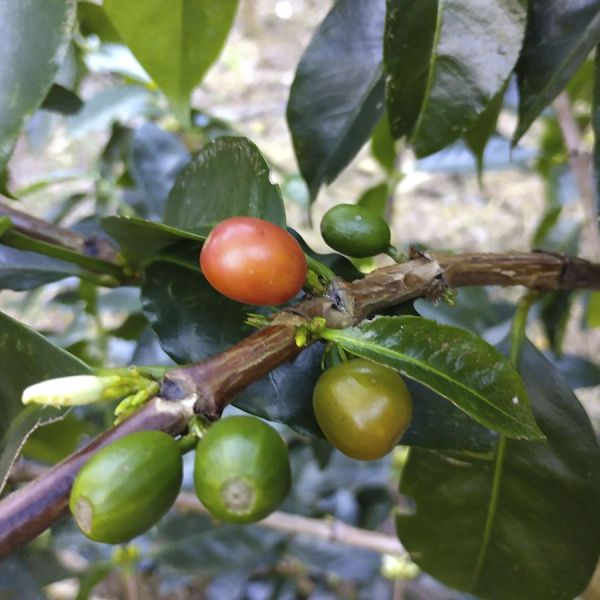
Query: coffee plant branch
x,y
329,530
207,387
38,229
29,511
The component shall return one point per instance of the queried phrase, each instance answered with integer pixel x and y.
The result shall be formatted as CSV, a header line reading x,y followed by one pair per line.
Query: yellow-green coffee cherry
x,y
126,487
242,470
355,231
362,407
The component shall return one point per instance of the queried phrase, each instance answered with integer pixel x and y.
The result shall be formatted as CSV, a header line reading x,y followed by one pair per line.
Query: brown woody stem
x,y
216,380
210,385
329,530
580,161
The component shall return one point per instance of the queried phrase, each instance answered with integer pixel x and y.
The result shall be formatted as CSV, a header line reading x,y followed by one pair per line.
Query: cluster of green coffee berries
x,y
241,470
241,474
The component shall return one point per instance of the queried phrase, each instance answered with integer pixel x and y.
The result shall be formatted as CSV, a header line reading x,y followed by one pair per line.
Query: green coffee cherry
x,y
126,487
355,231
242,470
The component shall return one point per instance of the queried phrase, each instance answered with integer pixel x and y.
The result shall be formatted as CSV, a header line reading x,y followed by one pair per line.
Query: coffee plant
x,y
250,418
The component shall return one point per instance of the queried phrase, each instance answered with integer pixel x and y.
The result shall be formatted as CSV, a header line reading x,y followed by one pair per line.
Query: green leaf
x,y
437,424
119,103
337,95
453,362
447,60
560,35
229,177
407,52
555,310
474,310
176,42
576,371
478,135
538,536
375,198
27,357
383,145
21,270
593,310
55,441
140,239
4,183
93,20
156,158
62,100
34,41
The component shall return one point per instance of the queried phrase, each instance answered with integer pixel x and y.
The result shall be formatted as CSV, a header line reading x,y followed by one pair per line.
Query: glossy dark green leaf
x,y
555,310
229,177
537,536
478,135
437,424
408,44
446,62
383,145
560,35
34,40
337,95
194,322
453,362
27,357
176,42
473,309
140,239
21,270
578,372
61,100
339,264
156,158
93,20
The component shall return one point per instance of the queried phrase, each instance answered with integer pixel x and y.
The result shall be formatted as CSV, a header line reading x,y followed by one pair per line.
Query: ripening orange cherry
x,y
253,261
